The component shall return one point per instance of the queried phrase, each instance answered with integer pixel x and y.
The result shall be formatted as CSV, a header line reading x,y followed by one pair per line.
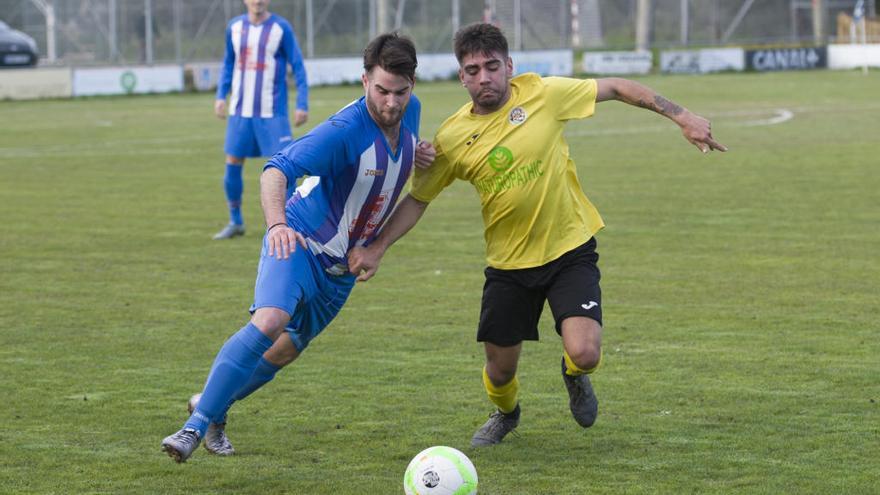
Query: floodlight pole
x,y
819,22
310,29
381,16
398,15
684,9
111,28
643,25
517,25
48,10
148,31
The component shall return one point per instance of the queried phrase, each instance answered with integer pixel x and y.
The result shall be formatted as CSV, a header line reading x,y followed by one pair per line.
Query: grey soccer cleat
x,y
216,441
581,400
496,428
230,231
182,444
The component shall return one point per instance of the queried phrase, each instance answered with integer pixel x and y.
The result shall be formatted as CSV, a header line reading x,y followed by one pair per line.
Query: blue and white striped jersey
x,y
255,67
353,180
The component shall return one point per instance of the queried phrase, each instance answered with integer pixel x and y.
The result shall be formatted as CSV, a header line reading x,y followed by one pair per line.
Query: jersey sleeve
x,y
427,184
413,115
225,82
572,98
324,152
295,59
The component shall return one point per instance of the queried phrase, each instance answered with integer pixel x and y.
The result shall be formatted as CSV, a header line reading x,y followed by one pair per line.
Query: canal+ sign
x,y
787,59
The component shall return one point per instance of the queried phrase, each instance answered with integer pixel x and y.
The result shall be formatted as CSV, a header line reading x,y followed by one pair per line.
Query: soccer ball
x,y
440,471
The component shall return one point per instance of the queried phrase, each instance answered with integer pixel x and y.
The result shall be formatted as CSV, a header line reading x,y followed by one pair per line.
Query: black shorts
x,y
513,299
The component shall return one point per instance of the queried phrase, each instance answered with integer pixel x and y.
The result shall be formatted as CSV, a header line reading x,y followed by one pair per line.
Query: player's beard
x,y
491,99
385,118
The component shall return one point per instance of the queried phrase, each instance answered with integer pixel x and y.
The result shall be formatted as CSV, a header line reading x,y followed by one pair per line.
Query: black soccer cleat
x,y
581,400
496,428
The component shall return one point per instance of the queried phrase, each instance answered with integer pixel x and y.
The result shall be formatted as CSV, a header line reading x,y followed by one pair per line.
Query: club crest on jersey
x,y
517,116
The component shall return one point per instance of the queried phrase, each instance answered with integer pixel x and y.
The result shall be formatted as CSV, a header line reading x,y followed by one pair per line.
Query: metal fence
x,y
100,32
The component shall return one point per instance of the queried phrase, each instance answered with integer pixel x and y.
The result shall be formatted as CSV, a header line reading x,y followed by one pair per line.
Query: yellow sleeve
x,y
427,184
572,98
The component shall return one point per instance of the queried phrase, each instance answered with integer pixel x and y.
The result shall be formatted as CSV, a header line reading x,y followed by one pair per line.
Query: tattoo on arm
x,y
666,106
661,105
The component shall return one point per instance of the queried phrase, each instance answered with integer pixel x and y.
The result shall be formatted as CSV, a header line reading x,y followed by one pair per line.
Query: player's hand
x,y
282,241
364,262
698,131
300,117
425,154
220,109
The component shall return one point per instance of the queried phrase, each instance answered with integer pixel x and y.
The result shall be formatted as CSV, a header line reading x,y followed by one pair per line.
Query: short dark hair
x,y
480,37
392,52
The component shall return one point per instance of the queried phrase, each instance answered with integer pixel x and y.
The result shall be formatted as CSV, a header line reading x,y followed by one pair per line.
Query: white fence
x,y
113,32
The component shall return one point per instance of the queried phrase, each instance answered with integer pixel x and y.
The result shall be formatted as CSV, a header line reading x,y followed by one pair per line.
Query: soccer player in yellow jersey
x,y
508,142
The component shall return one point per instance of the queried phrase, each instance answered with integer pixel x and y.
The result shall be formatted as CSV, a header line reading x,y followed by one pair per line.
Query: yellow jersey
x,y
534,209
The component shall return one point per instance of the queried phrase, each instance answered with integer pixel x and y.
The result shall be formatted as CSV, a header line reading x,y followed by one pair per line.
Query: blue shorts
x,y
252,137
300,286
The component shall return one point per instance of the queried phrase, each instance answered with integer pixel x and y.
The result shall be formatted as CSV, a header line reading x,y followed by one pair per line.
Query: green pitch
x,y
740,291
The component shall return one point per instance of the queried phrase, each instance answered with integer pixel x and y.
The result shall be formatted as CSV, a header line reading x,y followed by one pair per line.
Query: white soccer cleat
x,y
216,441
181,445
230,231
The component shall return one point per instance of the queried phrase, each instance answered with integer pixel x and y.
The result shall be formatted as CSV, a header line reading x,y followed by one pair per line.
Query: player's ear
x,y
461,75
509,67
365,80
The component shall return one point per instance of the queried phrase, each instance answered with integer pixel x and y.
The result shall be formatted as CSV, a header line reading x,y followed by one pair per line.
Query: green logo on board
x,y
128,81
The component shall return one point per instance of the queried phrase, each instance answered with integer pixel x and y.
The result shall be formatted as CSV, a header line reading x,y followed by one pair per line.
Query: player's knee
x,y
500,376
585,357
271,321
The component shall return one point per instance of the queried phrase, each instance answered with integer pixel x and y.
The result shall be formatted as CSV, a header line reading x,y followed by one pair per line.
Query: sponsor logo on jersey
x,y
500,158
503,181
374,218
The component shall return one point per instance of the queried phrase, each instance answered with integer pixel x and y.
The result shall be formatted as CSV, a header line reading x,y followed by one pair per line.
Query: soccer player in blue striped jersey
x,y
259,46
356,164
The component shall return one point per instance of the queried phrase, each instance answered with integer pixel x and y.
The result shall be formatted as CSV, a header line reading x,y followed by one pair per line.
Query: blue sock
x,y
234,186
233,367
264,374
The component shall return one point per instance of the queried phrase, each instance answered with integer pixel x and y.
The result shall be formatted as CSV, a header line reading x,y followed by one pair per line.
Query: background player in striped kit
x,y
259,45
357,163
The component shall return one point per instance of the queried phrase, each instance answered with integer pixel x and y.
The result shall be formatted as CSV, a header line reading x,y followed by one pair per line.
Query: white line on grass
x,y
779,116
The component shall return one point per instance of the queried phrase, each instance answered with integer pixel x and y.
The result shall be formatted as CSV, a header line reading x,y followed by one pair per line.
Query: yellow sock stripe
x,y
571,369
504,396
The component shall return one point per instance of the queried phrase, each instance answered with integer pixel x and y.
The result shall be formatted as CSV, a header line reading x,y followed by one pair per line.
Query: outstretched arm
x,y
697,130
364,262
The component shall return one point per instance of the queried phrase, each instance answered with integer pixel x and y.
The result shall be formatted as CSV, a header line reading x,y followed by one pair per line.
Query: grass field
x,y
740,292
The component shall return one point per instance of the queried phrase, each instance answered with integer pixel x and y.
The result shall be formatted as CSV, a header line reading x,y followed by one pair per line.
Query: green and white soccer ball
x,y
440,471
